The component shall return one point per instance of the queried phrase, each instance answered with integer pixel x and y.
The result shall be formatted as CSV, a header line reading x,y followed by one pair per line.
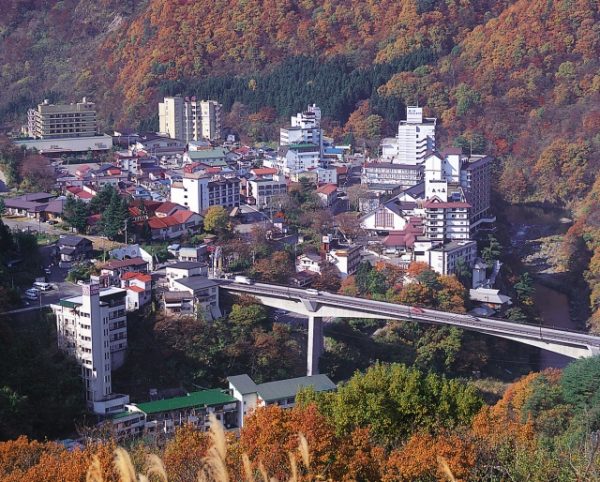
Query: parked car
x,y
32,294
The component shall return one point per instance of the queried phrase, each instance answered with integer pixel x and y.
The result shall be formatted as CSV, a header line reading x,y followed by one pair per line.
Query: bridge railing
x,y
443,317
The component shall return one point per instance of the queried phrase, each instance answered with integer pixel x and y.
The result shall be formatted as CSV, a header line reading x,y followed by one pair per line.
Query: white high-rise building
x,y
93,329
416,136
304,127
189,119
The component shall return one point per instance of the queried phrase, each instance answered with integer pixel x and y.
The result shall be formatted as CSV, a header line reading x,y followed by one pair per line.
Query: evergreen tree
x,y
75,213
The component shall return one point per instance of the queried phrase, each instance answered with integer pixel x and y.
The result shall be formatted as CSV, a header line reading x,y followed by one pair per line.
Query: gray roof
x,y
243,384
418,190
37,196
72,241
185,265
289,388
197,282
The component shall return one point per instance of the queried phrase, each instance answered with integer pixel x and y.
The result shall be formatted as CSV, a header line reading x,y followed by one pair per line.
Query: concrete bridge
x,y
317,305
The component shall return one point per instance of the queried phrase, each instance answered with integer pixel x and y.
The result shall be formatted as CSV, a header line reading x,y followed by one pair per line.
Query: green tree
x,y
115,219
580,382
216,220
492,251
362,276
395,401
429,278
2,207
466,99
75,213
100,202
525,289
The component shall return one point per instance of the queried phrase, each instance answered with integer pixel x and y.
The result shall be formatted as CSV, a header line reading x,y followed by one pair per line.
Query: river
x,y
525,224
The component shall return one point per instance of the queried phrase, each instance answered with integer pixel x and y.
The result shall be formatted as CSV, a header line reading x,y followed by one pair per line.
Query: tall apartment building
x,y
198,191
55,121
93,329
305,128
190,119
416,136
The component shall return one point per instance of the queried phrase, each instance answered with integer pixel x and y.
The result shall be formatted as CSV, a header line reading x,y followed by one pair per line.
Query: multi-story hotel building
x,y
93,329
416,136
55,121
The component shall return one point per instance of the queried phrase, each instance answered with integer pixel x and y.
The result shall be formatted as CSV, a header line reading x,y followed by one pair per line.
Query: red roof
x,y
327,189
166,207
146,278
182,216
263,171
341,169
136,289
178,217
193,167
80,193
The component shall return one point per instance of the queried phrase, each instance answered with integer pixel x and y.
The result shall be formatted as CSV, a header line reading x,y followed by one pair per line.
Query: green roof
x,y
68,304
207,154
204,398
304,145
289,388
120,415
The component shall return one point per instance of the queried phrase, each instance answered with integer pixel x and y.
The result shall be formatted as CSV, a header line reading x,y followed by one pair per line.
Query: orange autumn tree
x,y
418,458
270,433
30,460
184,453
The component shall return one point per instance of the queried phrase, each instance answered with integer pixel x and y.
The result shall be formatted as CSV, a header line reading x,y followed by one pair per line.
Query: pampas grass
x,y
124,465
214,467
94,473
445,469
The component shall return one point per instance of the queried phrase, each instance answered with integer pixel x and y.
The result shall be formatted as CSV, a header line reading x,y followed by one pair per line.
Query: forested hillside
x,y
519,79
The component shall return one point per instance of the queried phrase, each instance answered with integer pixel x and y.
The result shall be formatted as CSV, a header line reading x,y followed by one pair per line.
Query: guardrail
x,y
485,325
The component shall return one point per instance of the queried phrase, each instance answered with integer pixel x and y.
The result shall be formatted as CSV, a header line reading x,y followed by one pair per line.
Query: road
x,y
574,341
31,225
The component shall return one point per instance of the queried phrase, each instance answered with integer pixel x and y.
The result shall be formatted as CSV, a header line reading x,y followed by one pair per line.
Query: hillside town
x,y
150,220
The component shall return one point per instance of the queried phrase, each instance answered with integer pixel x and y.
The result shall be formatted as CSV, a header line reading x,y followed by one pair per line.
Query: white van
x,y
42,285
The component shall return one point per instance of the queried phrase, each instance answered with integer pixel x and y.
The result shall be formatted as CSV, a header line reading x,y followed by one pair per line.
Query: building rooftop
x,y
72,241
186,264
197,282
123,263
243,384
327,189
289,388
204,398
75,301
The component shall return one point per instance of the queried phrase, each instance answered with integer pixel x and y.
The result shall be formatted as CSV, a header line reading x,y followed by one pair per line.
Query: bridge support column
x,y
315,344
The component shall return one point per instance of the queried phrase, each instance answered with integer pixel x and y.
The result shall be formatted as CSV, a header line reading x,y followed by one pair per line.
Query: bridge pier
x,y
315,344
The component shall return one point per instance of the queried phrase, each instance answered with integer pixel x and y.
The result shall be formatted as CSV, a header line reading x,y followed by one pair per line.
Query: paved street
x,y
31,225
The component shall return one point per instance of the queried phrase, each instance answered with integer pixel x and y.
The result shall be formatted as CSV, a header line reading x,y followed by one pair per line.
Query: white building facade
x,y
93,329
190,119
416,136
